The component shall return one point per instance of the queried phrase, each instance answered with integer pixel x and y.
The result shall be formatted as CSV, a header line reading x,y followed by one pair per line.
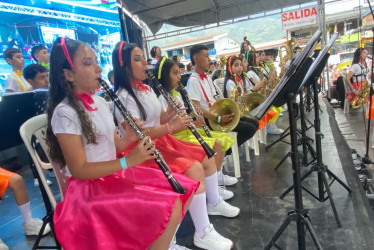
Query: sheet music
x,y
261,110
318,60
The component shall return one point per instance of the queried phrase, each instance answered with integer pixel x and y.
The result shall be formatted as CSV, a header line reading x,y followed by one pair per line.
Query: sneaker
x,y
212,240
174,246
36,183
225,180
226,194
273,129
33,227
224,209
3,246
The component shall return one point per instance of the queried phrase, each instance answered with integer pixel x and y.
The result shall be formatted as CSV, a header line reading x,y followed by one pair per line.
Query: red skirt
x,y
126,210
178,155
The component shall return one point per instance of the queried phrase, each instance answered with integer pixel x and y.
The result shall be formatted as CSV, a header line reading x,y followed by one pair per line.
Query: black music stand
x,y
285,93
323,186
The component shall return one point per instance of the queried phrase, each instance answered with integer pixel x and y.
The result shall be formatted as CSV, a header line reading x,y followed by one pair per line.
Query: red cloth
x,y
179,155
372,109
140,85
266,118
129,209
203,75
87,100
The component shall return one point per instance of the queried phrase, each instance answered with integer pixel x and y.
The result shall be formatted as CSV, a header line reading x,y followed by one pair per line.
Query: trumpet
x,y
193,108
209,152
177,187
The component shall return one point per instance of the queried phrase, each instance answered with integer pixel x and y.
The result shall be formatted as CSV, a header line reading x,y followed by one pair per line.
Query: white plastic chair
x,y
218,84
37,126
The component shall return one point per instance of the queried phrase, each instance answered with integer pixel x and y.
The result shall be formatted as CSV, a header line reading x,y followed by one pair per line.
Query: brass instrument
x,y
361,97
246,102
288,47
225,106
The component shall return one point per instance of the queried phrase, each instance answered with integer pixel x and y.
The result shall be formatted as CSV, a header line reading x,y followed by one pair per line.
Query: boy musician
x,y
15,81
40,54
201,90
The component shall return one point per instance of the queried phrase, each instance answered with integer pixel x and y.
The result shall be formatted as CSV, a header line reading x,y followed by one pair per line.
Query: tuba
x,y
288,47
361,97
225,106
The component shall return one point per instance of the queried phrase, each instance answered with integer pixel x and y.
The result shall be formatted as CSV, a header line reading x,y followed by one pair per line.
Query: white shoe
x,y
224,209
36,183
273,129
212,240
3,246
225,180
174,246
226,194
33,227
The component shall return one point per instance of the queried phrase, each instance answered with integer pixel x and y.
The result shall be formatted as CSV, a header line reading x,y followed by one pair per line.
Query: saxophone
x,y
362,96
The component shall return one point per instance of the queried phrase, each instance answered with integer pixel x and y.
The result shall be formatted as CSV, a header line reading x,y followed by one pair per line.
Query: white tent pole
x,y
322,26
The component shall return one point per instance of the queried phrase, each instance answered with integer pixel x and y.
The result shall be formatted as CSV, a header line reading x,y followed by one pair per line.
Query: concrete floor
x,y
257,194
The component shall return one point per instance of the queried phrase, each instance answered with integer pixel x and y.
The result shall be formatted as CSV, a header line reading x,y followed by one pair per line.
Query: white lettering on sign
x,y
300,17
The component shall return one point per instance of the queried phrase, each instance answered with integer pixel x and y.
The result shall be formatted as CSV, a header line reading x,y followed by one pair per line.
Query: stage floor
x,y
257,194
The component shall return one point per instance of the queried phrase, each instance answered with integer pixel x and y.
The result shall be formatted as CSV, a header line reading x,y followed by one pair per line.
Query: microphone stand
x,y
366,159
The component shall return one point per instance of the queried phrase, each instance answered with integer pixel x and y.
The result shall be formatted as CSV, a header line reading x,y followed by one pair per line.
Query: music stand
x,y
285,93
323,186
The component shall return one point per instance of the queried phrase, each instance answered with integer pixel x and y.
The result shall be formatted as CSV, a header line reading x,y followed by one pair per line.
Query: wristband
x,y
123,162
218,119
170,128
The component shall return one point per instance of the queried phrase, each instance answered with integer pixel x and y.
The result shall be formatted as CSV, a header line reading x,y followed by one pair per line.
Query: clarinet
x,y
130,120
209,152
193,108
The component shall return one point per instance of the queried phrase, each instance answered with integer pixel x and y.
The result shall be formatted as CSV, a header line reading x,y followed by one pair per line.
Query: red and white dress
x,y
117,211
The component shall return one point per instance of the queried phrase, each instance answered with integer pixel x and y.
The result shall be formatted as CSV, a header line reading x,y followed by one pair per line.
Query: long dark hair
x,y
123,74
60,88
229,75
357,56
165,71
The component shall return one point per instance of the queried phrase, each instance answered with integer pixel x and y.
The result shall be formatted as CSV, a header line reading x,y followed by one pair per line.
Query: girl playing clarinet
x,y
109,203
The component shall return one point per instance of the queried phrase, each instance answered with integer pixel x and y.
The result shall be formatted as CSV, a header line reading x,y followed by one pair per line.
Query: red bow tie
x,y
140,85
238,79
203,75
87,100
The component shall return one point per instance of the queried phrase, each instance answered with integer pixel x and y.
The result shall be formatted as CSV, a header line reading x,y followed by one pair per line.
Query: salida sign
x,y
300,17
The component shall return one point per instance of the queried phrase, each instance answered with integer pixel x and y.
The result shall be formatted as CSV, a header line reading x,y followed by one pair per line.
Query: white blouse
x,y
65,120
150,104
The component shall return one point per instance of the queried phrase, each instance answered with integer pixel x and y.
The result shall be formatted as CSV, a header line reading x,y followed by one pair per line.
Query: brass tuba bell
x,y
225,106
252,101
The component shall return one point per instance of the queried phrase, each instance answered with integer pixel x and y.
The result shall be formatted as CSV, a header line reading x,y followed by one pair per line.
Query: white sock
x,y
25,210
211,188
199,213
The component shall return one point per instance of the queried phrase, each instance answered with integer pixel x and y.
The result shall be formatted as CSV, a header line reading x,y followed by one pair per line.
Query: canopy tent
x,y
185,13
